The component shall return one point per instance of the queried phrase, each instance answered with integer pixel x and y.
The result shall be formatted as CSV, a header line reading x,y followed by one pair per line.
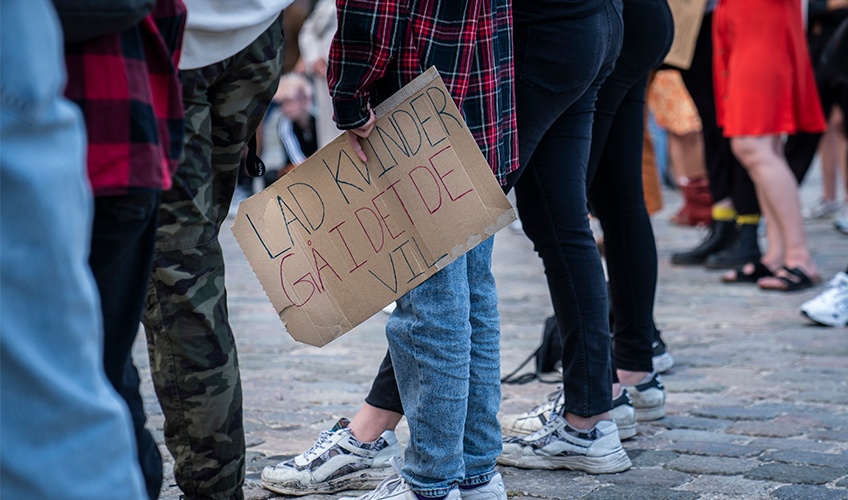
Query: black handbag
x,y
86,19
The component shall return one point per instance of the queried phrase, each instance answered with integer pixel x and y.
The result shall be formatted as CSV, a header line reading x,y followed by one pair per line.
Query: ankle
x,y
584,423
628,378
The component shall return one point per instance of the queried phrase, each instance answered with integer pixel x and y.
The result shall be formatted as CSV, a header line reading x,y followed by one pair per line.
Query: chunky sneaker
x,y
558,446
336,462
532,420
822,209
648,398
493,490
395,488
624,415
830,307
662,360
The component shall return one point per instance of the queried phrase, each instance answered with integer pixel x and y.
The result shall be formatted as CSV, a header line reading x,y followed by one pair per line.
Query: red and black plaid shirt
x,y
381,45
129,91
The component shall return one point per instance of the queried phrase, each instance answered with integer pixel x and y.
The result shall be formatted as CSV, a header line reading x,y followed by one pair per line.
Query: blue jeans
x,y
65,432
444,339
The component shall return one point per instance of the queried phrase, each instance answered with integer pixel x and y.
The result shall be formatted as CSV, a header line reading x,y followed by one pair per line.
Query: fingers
x,y
362,131
353,138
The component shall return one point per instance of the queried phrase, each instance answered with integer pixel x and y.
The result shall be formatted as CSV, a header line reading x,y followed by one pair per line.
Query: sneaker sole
x,y
649,414
822,321
663,363
626,432
618,461
366,479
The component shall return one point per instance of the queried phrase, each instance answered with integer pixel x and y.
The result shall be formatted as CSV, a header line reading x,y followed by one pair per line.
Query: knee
x,y
750,151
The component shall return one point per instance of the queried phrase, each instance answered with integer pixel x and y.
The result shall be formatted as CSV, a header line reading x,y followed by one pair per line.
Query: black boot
x,y
720,236
742,250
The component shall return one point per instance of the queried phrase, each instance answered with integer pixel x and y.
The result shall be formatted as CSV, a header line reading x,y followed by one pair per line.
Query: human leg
x,y
193,354
65,432
121,254
766,164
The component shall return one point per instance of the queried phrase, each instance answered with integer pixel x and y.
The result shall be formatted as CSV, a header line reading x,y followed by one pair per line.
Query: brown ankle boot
x,y
698,202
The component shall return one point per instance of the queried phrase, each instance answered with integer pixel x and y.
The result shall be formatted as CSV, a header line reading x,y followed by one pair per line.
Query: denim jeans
x,y
560,66
121,256
615,181
65,432
444,339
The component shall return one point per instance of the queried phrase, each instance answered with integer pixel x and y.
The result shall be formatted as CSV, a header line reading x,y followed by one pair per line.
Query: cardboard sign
x,y
688,15
336,240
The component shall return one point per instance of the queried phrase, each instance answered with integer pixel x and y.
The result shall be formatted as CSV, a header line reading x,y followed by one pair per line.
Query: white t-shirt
x,y
218,29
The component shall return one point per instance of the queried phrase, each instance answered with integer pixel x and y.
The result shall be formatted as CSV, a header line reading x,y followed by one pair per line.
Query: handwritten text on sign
x,y
336,240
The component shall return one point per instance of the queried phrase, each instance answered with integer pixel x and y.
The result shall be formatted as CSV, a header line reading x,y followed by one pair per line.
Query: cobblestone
x,y
694,464
754,383
808,492
802,474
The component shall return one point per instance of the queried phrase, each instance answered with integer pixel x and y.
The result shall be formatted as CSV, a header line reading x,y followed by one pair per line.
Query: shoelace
x,y
323,437
388,486
550,426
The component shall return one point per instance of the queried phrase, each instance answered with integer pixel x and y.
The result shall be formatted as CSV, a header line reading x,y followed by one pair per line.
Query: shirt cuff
x,y
351,113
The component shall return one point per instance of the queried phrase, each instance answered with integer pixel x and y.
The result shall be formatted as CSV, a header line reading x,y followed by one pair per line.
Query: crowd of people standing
x,y
144,126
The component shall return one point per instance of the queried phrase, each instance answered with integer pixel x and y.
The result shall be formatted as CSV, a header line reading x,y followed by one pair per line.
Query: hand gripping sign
x,y
336,240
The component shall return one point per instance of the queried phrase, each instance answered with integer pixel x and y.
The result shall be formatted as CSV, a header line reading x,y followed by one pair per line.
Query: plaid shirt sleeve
x,y
366,41
128,88
381,45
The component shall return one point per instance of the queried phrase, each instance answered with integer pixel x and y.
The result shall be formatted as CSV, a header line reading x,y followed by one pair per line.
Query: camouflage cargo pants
x,y
191,345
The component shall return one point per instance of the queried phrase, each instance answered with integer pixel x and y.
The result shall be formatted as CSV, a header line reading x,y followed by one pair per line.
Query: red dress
x,y
764,83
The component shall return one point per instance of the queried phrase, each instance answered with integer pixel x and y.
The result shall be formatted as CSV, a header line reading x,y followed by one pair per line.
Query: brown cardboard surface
x,y
688,15
336,240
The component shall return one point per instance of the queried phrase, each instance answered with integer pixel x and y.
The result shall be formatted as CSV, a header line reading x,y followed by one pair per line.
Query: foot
x,y
394,487
742,249
493,490
662,360
789,280
534,419
648,398
830,307
557,445
336,462
749,273
720,235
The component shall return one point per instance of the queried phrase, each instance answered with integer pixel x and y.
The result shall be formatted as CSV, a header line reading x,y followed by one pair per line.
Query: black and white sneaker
x,y
662,360
624,415
558,446
648,398
336,462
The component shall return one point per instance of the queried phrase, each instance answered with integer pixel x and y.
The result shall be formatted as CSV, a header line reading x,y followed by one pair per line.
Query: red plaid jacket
x,y
381,45
129,91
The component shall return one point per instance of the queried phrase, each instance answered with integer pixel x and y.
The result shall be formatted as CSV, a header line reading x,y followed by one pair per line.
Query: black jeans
x,y
121,255
615,181
728,178
559,67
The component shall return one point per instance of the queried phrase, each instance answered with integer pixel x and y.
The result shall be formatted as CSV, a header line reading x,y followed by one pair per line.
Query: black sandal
x,y
760,271
790,285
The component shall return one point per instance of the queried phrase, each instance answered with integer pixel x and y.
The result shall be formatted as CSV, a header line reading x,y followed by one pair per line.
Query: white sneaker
x,y
841,220
493,490
336,462
648,398
624,415
830,307
534,419
822,209
395,488
559,446
530,421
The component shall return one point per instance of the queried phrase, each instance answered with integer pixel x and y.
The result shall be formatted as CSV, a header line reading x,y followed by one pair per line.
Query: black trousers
x,y
728,178
559,67
615,181
121,255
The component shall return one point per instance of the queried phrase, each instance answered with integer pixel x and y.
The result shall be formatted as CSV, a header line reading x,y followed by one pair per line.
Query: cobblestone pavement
x,y
757,402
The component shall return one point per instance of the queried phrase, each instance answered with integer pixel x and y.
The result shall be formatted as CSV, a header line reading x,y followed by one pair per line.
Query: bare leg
x,y
831,155
371,421
687,155
765,163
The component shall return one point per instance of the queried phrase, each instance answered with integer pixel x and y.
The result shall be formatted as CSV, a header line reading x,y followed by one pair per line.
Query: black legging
x,y
615,182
